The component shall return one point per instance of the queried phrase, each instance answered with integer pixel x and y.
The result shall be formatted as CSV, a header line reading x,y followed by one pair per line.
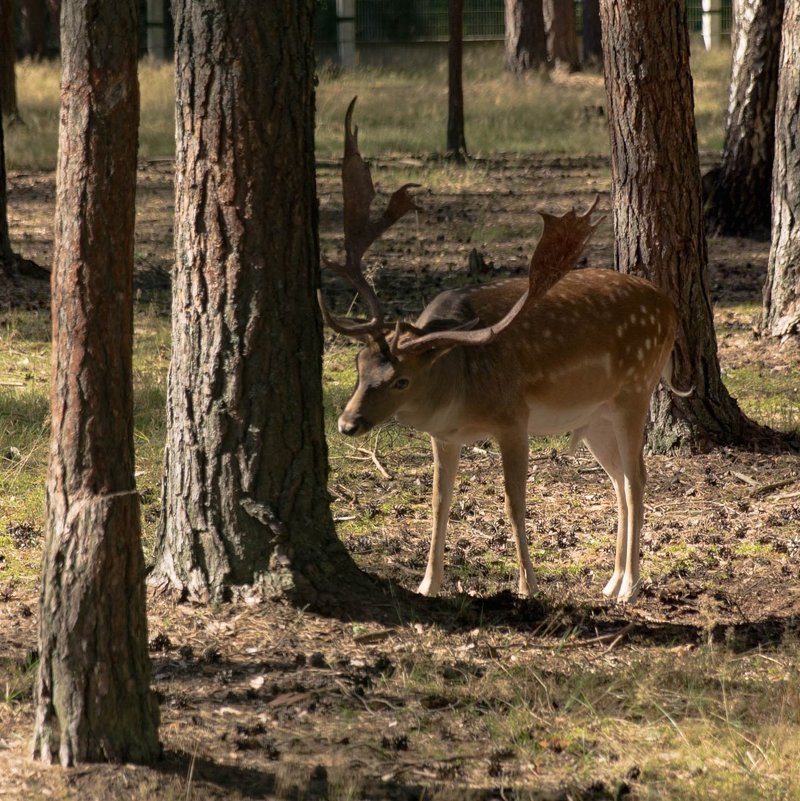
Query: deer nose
x,y
351,426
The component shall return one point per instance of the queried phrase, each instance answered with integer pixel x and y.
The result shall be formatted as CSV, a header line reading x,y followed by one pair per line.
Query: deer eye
x,y
400,383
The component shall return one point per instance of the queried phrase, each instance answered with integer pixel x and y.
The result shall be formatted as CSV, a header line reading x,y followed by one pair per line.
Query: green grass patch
x,y
32,142
25,417
770,396
400,111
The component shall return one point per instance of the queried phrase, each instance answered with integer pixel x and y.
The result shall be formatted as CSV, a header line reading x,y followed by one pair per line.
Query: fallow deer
x,y
562,350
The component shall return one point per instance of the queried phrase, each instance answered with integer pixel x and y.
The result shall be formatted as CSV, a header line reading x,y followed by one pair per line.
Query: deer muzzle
x,y
353,425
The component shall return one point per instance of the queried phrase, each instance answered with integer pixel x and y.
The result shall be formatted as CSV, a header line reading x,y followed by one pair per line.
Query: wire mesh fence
x,y
426,20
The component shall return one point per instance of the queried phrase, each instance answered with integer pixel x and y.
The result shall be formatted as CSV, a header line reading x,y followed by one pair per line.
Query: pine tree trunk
x,y
54,13
739,201
592,33
782,288
525,44
34,13
562,35
8,57
456,140
658,220
8,261
93,699
244,494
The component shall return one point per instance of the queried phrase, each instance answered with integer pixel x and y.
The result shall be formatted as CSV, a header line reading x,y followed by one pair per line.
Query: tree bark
x,y
562,35
456,140
781,315
244,493
93,699
658,219
8,57
739,201
525,43
592,34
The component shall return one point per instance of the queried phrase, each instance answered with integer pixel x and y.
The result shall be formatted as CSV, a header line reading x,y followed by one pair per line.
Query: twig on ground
x,y
614,636
765,489
374,456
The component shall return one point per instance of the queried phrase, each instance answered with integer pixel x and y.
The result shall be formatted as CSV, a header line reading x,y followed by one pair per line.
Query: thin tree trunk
x,y
782,289
525,43
54,11
93,699
8,261
8,56
658,220
739,201
562,35
244,493
456,140
34,13
592,34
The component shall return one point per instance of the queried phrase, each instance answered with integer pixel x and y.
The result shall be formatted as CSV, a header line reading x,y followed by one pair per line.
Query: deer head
x,y
393,362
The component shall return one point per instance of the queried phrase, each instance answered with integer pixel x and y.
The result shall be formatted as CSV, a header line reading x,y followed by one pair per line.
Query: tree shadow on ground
x,y
213,780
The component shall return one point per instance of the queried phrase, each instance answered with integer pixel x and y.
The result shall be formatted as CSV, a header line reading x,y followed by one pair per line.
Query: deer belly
x,y
544,420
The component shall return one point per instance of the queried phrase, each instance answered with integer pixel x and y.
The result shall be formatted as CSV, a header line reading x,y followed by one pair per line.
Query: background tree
x,y
8,261
11,264
562,36
738,191
592,33
93,698
456,140
8,55
244,494
525,42
54,18
658,221
782,289
33,18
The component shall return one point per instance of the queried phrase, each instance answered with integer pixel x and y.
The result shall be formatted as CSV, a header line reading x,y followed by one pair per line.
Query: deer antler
x,y
360,231
559,247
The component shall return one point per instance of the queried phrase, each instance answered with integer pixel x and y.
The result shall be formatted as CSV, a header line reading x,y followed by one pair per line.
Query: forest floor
x,y
691,692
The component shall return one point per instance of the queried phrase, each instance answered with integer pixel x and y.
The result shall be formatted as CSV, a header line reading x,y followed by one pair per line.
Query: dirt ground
x,y
264,700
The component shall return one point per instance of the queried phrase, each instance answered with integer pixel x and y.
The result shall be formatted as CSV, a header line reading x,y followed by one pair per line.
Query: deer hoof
x,y
611,590
622,589
527,588
429,587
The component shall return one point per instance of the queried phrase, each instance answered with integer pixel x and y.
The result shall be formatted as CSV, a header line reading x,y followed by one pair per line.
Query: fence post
x,y
712,23
346,32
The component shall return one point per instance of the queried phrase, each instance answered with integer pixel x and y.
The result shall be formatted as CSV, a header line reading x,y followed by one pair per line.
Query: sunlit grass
x,y
711,72
502,115
400,111
771,396
32,142
25,418
685,722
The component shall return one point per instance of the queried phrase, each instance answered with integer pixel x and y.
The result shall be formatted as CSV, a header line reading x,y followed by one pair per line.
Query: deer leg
x,y
445,465
514,451
630,436
602,442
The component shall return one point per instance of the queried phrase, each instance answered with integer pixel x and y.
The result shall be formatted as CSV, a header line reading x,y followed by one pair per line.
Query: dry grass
x,y
400,111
